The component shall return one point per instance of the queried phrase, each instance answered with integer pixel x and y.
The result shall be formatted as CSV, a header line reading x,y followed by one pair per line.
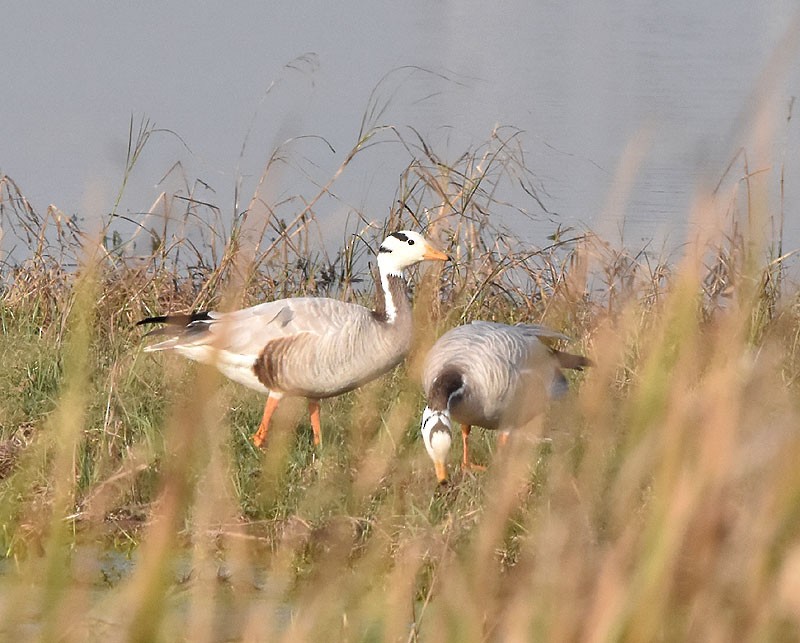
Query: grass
x,y
664,505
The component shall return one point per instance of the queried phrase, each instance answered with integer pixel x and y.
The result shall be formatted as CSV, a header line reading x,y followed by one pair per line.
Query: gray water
x,y
103,575
671,90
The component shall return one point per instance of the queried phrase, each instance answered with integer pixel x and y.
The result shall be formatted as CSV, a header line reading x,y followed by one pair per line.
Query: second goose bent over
x,y
492,375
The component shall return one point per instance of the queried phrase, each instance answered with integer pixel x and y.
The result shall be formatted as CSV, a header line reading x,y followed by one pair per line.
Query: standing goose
x,y
493,375
310,347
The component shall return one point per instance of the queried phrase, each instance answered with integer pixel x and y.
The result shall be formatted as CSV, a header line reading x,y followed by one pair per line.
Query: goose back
x,y
309,346
507,373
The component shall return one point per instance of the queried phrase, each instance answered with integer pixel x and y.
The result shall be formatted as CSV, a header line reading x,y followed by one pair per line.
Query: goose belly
x,y
510,409
234,366
473,413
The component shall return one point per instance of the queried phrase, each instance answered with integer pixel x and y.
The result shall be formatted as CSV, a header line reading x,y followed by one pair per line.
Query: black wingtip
x,y
181,319
152,320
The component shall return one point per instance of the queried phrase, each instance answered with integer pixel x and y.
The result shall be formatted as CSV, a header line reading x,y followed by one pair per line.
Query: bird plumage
x,y
497,376
312,347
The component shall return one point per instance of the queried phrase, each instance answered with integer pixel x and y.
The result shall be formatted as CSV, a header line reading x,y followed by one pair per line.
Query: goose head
x,y
403,249
437,436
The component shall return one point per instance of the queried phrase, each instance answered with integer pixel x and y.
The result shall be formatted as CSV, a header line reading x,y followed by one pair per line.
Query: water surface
x,y
670,89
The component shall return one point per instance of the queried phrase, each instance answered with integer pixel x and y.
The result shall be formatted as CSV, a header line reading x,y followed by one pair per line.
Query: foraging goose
x,y
310,347
493,375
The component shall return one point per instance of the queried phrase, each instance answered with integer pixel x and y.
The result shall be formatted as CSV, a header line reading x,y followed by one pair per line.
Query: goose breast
x,y
322,360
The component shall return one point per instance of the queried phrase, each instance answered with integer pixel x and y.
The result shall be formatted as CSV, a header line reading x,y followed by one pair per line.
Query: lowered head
x,y
437,436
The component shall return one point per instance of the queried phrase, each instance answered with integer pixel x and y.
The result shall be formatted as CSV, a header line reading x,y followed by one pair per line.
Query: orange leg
x,y
260,436
465,431
465,462
502,439
313,412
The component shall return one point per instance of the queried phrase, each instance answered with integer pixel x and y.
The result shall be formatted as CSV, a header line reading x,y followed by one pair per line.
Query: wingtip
x,y
150,320
179,319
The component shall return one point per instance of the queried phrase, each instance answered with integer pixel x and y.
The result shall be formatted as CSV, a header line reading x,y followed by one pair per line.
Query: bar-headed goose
x,y
310,347
492,375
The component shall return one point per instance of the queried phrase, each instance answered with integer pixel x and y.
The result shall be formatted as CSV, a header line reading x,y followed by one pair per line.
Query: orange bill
x,y
434,254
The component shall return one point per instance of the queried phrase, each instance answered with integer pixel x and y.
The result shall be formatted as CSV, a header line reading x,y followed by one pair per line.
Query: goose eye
x,y
411,242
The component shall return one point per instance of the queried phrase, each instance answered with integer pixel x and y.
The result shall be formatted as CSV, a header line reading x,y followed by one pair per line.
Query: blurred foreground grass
x,y
663,503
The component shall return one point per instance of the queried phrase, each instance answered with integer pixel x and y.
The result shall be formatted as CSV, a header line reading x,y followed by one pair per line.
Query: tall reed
x,y
662,504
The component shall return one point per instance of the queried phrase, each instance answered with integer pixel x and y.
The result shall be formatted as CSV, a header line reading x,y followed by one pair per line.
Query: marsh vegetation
x,y
661,502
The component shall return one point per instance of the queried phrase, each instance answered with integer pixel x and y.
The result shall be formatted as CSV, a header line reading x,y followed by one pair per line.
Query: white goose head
x,y
403,249
397,252
437,436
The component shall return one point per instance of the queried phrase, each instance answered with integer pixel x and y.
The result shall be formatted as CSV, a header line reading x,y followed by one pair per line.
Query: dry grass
x,y
664,506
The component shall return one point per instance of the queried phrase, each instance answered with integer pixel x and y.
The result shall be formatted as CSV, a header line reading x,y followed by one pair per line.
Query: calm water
x,y
102,577
671,89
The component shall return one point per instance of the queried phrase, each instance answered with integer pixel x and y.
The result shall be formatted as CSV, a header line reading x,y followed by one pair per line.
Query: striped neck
x,y
391,301
447,388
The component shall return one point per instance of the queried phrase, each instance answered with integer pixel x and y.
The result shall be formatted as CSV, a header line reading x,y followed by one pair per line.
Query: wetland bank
x,y
662,503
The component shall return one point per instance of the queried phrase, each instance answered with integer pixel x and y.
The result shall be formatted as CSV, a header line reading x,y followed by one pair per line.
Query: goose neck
x,y
447,388
392,303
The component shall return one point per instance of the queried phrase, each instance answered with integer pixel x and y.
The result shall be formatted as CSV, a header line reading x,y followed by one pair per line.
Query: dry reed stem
x,y
663,505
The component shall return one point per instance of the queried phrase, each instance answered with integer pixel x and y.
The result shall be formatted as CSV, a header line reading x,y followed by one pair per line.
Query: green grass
x,y
662,505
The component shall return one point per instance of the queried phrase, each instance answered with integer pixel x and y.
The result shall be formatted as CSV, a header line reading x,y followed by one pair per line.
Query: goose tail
x,y
177,328
575,362
181,319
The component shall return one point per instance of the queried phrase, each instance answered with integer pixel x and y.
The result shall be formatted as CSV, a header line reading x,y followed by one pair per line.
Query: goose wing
x,y
315,347
526,330
248,331
508,371
526,361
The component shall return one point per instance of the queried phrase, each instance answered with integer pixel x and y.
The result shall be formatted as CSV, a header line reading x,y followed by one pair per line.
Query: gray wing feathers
x,y
503,366
492,354
528,330
247,331
350,350
325,346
